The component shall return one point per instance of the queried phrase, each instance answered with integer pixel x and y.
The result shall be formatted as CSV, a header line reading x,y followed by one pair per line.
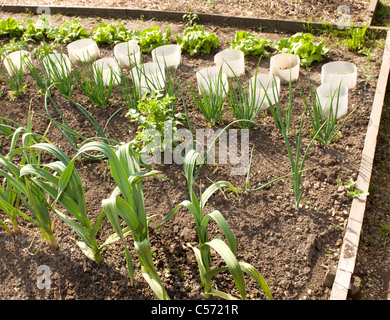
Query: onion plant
x,y
282,120
15,80
42,79
90,81
73,137
210,99
227,251
129,93
59,72
296,161
326,120
243,102
127,203
169,85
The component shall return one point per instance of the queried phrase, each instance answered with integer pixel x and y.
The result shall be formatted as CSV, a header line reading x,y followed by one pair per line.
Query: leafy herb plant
x,y
154,116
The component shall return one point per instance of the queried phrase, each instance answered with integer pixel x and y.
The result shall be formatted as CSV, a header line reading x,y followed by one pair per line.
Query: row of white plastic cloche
x,y
336,77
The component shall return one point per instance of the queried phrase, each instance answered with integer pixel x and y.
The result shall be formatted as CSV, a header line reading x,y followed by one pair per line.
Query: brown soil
x,y
315,11
293,250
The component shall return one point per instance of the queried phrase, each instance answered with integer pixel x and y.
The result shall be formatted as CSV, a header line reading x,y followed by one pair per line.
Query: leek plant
x,y
62,183
210,99
9,197
127,203
326,120
227,251
9,202
28,193
33,199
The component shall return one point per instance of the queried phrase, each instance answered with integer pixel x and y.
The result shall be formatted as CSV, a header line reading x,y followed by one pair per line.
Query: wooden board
x,y
350,245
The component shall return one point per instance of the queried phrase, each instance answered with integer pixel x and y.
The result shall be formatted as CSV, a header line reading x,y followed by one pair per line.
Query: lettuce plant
x,y
304,46
11,27
68,32
196,39
37,30
250,44
151,38
110,33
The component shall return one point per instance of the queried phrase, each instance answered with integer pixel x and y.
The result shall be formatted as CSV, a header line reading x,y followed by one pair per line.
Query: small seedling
x,y
190,18
352,192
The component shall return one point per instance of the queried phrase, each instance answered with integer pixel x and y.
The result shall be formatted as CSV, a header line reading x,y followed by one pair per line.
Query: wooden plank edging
x,y
350,245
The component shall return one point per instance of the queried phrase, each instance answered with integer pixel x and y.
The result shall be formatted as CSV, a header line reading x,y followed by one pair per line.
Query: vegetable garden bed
x,y
292,248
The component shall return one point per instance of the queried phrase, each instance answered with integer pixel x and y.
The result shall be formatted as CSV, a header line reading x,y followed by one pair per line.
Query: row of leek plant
x,y
60,181
56,187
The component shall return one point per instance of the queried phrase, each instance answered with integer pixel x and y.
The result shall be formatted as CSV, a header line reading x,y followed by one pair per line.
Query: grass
x,y
382,14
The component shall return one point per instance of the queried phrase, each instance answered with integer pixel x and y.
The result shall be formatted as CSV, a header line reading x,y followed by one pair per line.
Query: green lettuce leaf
x,y
110,33
303,45
196,39
250,44
11,27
